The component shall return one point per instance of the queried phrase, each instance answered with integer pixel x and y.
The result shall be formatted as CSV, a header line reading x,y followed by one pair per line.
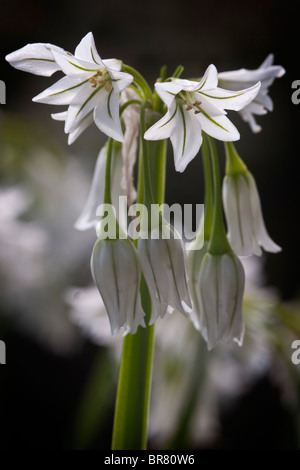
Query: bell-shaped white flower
x,y
221,288
195,106
116,271
163,262
247,233
266,74
194,261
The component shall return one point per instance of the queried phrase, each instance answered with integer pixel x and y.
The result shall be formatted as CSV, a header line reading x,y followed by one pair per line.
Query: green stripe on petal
x,y
108,103
172,117
82,68
37,58
211,119
90,97
184,129
220,97
68,89
92,54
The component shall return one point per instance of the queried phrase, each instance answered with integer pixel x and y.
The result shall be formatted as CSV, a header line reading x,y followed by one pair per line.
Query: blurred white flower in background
x,y
39,258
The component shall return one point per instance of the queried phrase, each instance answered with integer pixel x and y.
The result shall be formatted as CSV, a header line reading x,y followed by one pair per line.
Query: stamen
x,y
108,87
189,107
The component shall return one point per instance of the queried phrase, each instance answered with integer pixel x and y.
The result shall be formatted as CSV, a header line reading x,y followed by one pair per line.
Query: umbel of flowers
x,y
140,280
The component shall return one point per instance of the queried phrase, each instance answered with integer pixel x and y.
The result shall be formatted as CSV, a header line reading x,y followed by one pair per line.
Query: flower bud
x,y
221,287
163,263
117,273
246,228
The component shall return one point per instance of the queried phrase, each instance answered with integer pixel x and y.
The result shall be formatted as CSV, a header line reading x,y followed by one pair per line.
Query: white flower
x,y
117,274
246,227
195,106
194,261
88,218
163,263
221,286
266,74
87,310
91,86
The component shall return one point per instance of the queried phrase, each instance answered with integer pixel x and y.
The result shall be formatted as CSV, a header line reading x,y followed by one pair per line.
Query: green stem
x,y
107,192
139,81
133,394
208,198
218,242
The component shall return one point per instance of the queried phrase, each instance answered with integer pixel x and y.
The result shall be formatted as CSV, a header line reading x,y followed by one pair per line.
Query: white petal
x,y
165,127
187,139
235,327
248,117
267,62
88,218
59,116
120,80
158,304
106,116
113,64
85,101
219,127
210,79
239,217
261,233
226,99
35,58
81,126
86,50
119,287
62,92
74,67
168,90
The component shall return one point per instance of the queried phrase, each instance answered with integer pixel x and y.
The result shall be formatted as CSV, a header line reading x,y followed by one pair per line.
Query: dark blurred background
x,y
39,388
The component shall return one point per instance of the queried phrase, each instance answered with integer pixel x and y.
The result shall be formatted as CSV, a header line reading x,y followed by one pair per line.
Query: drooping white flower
x,y
88,217
91,86
163,262
266,74
221,288
195,106
246,228
117,274
194,261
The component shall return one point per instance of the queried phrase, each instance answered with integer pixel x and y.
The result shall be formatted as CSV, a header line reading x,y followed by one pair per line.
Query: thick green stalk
x,y
208,208
132,404
218,242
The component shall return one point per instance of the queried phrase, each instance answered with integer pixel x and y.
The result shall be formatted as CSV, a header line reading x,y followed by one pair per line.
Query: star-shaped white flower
x,y
266,74
195,106
91,87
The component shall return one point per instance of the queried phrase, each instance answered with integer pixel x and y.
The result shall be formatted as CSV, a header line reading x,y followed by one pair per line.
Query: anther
x,y
188,108
108,86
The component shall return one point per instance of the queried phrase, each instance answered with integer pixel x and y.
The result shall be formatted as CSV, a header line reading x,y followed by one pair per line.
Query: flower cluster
x,y
208,283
